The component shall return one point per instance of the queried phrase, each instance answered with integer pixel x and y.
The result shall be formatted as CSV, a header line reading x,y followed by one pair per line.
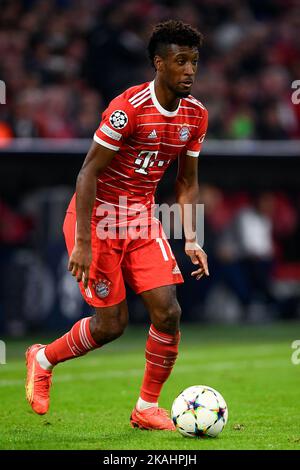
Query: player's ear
x,y
158,63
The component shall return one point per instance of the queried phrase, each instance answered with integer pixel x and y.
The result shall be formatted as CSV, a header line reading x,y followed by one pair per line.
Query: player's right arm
x,y
117,124
97,159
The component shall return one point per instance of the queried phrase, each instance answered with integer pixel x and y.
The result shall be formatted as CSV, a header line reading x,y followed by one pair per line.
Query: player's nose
x,y
189,70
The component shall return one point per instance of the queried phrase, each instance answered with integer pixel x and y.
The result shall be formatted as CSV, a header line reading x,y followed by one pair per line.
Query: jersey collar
x,y
158,106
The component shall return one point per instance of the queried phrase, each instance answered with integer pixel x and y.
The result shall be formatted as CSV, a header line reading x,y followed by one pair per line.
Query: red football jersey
x,y
146,138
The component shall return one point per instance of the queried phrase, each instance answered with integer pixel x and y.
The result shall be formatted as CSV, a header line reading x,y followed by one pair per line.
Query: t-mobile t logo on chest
x,y
146,160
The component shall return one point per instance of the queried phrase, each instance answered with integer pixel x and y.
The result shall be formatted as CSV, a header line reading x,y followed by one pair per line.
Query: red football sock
x,y
161,354
77,342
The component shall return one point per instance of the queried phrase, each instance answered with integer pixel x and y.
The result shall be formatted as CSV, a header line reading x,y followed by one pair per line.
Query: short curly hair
x,y
173,32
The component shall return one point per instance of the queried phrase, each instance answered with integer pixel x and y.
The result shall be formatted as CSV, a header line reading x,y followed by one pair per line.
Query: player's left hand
x,y
198,256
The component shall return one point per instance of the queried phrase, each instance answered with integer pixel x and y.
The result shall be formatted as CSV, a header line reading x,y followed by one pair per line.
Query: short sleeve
x,y
194,145
118,122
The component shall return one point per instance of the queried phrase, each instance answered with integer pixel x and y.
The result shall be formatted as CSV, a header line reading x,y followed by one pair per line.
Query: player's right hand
x,y
80,262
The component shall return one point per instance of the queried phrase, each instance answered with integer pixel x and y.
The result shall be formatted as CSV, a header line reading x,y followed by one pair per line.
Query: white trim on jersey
x,y
173,145
188,107
190,115
115,171
126,182
178,115
134,97
113,186
148,114
133,148
111,203
131,155
105,144
157,143
122,207
143,101
129,166
158,106
144,143
162,123
196,102
192,154
134,193
126,176
140,98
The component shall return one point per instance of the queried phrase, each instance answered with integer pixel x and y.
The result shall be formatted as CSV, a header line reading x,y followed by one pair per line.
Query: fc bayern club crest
x,y
102,288
184,134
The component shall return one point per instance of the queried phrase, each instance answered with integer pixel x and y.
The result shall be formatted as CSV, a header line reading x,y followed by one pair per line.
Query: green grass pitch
x,y
92,397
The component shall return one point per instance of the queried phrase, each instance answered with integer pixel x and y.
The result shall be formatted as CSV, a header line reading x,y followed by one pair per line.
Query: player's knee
x,y
167,318
110,327
105,333
115,331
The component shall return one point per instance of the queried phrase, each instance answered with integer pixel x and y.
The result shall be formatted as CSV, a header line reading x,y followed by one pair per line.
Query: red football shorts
x,y
142,263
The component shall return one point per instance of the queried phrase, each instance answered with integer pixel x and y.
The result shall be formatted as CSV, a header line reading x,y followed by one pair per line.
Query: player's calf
x,y
87,334
41,359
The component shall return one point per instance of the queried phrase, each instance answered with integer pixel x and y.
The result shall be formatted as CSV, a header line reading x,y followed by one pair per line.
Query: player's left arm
x,y
187,196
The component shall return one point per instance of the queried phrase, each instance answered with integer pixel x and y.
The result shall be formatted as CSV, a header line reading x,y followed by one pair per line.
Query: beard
x,y
182,94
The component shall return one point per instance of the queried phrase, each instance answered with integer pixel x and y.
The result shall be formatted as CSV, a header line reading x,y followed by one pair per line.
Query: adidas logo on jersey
x,y
152,135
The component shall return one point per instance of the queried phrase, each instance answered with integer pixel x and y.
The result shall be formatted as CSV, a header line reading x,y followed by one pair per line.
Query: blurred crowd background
x,y
62,61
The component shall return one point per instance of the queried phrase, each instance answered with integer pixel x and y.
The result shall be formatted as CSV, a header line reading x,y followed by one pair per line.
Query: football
x,y
199,411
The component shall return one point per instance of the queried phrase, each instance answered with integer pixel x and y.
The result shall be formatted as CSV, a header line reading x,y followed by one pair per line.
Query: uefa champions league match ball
x,y
199,411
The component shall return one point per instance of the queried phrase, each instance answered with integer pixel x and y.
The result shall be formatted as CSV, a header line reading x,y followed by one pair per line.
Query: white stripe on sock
x,y
85,333
81,336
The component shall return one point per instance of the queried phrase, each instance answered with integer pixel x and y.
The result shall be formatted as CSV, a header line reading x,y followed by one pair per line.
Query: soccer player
x,y
142,131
